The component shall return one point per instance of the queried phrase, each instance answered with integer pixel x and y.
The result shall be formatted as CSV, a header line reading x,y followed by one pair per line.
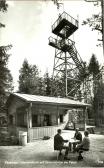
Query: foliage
x,y
93,77
95,21
94,70
58,87
93,66
31,83
87,82
3,8
47,84
98,101
5,75
28,78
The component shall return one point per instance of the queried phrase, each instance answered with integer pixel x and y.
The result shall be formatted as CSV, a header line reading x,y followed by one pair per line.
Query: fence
x,y
40,132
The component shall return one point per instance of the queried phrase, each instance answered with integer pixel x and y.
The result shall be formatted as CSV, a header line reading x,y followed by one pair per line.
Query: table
x,y
72,144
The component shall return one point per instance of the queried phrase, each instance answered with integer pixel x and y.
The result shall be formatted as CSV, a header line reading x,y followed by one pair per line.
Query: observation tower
x,y
67,61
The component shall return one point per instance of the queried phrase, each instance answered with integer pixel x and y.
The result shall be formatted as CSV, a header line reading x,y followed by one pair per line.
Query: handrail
x,y
64,15
60,42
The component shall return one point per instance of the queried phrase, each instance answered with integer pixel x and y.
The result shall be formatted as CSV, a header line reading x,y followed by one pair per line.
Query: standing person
x,y
84,145
59,143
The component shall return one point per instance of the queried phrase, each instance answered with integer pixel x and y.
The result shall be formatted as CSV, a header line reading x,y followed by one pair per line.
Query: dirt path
x,y
40,153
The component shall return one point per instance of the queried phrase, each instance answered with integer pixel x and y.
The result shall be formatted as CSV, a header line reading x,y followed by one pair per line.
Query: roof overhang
x,y
63,102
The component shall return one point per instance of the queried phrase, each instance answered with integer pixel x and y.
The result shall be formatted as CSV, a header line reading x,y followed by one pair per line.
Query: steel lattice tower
x,y
67,61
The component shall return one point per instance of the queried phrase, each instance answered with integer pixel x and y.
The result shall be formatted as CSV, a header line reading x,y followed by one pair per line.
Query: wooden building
x,y
39,116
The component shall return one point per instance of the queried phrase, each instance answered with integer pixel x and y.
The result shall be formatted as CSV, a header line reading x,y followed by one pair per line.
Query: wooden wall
x,y
14,104
18,106
40,132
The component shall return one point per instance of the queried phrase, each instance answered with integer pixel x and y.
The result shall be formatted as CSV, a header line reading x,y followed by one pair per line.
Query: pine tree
x,y
5,75
94,70
93,66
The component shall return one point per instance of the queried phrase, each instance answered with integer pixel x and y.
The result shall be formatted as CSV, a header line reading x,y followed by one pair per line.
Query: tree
x,y
93,66
47,82
98,103
5,75
96,21
94,70
41,86
58,86
10,86
3,8
29,79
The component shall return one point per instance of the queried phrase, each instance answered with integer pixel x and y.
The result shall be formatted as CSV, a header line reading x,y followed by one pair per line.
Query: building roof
x,y
49,100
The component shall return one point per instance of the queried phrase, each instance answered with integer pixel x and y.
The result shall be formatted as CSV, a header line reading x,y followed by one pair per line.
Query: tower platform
x,y
61,44
67,45
65,26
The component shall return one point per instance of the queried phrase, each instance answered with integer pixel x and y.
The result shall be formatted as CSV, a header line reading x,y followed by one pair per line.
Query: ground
x,y
40,153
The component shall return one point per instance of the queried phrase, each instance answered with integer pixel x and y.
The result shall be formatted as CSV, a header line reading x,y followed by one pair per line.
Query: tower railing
x,y
59,43
67,17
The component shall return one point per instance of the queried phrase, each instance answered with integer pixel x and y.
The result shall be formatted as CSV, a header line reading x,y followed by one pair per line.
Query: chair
x,y
57,153
90,155
80,157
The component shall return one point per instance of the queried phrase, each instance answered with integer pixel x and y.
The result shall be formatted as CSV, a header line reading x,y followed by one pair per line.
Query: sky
x,y
28,27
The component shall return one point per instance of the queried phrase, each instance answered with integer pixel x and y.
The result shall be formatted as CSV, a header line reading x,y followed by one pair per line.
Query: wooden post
x,y
85,111
30,115
29,121
27,126
57,116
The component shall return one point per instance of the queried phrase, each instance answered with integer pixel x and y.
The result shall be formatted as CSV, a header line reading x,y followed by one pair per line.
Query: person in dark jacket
x,y
59,143
78,135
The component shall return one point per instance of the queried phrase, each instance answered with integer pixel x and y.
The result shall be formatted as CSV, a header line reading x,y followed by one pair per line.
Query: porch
x,y
40,132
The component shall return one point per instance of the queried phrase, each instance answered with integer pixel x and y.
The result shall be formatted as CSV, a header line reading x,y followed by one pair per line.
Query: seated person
x,y
59,143
84,145
77,136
